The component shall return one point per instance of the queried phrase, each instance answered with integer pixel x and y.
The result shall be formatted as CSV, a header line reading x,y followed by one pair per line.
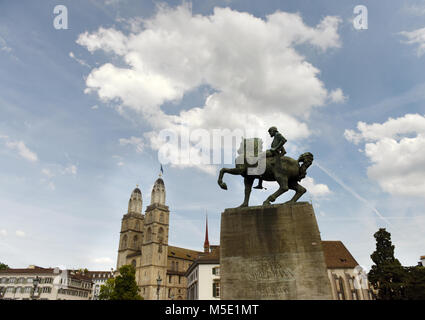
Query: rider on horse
x,y
277,150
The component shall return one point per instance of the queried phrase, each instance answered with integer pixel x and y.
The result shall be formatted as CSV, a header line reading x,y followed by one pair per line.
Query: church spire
x,y
158,191
206,242
135,203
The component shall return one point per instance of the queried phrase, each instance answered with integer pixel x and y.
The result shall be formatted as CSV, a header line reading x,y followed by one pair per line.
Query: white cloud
x,y
102,260
21,149
136,142
395,149
80,61
20,233
120,164
47,173
416,37
257,76
337,96
4,46
51,185
71,169
316,190
95,107
3,233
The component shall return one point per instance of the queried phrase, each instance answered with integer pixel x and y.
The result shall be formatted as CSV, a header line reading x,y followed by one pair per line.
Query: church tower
x,y
155,244
131,235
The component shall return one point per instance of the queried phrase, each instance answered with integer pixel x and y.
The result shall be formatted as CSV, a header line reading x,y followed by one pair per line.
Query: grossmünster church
x,y
144,244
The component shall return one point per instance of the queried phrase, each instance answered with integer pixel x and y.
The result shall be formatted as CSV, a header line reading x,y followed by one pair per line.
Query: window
x,y
149,235
133,263
216,289
161,235
161,217
169,279
180,279
177,266
340,288
135,241
216,271
137,225
124,242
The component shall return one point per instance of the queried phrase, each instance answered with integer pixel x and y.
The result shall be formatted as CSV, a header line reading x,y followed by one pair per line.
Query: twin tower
x,y
144,240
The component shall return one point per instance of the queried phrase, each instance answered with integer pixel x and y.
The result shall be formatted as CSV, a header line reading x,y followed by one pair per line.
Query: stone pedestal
x,y
272,253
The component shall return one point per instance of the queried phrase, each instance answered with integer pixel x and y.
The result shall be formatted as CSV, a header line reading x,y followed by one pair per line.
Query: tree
x,y
123,287
3,266
107,290
387,275
415,284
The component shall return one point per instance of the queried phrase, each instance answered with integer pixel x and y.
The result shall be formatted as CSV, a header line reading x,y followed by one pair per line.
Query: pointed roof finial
x,y
206,242
161,171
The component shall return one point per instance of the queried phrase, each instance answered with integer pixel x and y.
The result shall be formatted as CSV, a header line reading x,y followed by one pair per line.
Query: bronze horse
x,y
287,172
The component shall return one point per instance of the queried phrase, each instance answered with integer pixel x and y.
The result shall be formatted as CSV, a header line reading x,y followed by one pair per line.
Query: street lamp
x,y
35,282
158,282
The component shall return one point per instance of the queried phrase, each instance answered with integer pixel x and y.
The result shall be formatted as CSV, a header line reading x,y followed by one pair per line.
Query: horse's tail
x,y
306,159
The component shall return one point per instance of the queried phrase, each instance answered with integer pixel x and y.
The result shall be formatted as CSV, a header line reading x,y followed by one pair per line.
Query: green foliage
x,y
3,266
123,287
387,274
415,283
107,290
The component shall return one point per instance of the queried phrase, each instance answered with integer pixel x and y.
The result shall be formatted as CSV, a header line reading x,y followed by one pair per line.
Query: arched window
x,y
149,234
124,241
340,289
161,217
135,241
161,235
133,263
137,225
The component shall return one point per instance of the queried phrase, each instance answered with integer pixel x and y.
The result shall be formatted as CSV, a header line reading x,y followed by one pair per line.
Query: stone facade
x,y
144,244
272,253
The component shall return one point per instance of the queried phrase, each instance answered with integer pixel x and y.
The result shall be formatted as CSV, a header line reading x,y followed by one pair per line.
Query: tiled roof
x,y
182,253
211,257
337,255
35,270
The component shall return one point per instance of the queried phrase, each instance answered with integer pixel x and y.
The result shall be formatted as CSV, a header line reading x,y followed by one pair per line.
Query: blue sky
x,y
76,135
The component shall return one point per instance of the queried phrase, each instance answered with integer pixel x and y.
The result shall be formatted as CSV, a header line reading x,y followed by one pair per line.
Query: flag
x,y
162,170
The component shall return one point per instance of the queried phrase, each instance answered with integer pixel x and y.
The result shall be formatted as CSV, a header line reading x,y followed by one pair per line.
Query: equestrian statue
x,y
287,172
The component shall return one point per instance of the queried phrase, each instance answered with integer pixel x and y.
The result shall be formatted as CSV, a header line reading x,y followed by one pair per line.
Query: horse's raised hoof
x,y
223,185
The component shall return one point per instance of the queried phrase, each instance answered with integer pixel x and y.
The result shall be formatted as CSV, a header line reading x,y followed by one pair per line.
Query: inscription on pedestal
x,y
272,253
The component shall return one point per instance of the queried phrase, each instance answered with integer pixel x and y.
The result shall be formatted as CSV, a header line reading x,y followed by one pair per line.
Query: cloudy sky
x,y
83,109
